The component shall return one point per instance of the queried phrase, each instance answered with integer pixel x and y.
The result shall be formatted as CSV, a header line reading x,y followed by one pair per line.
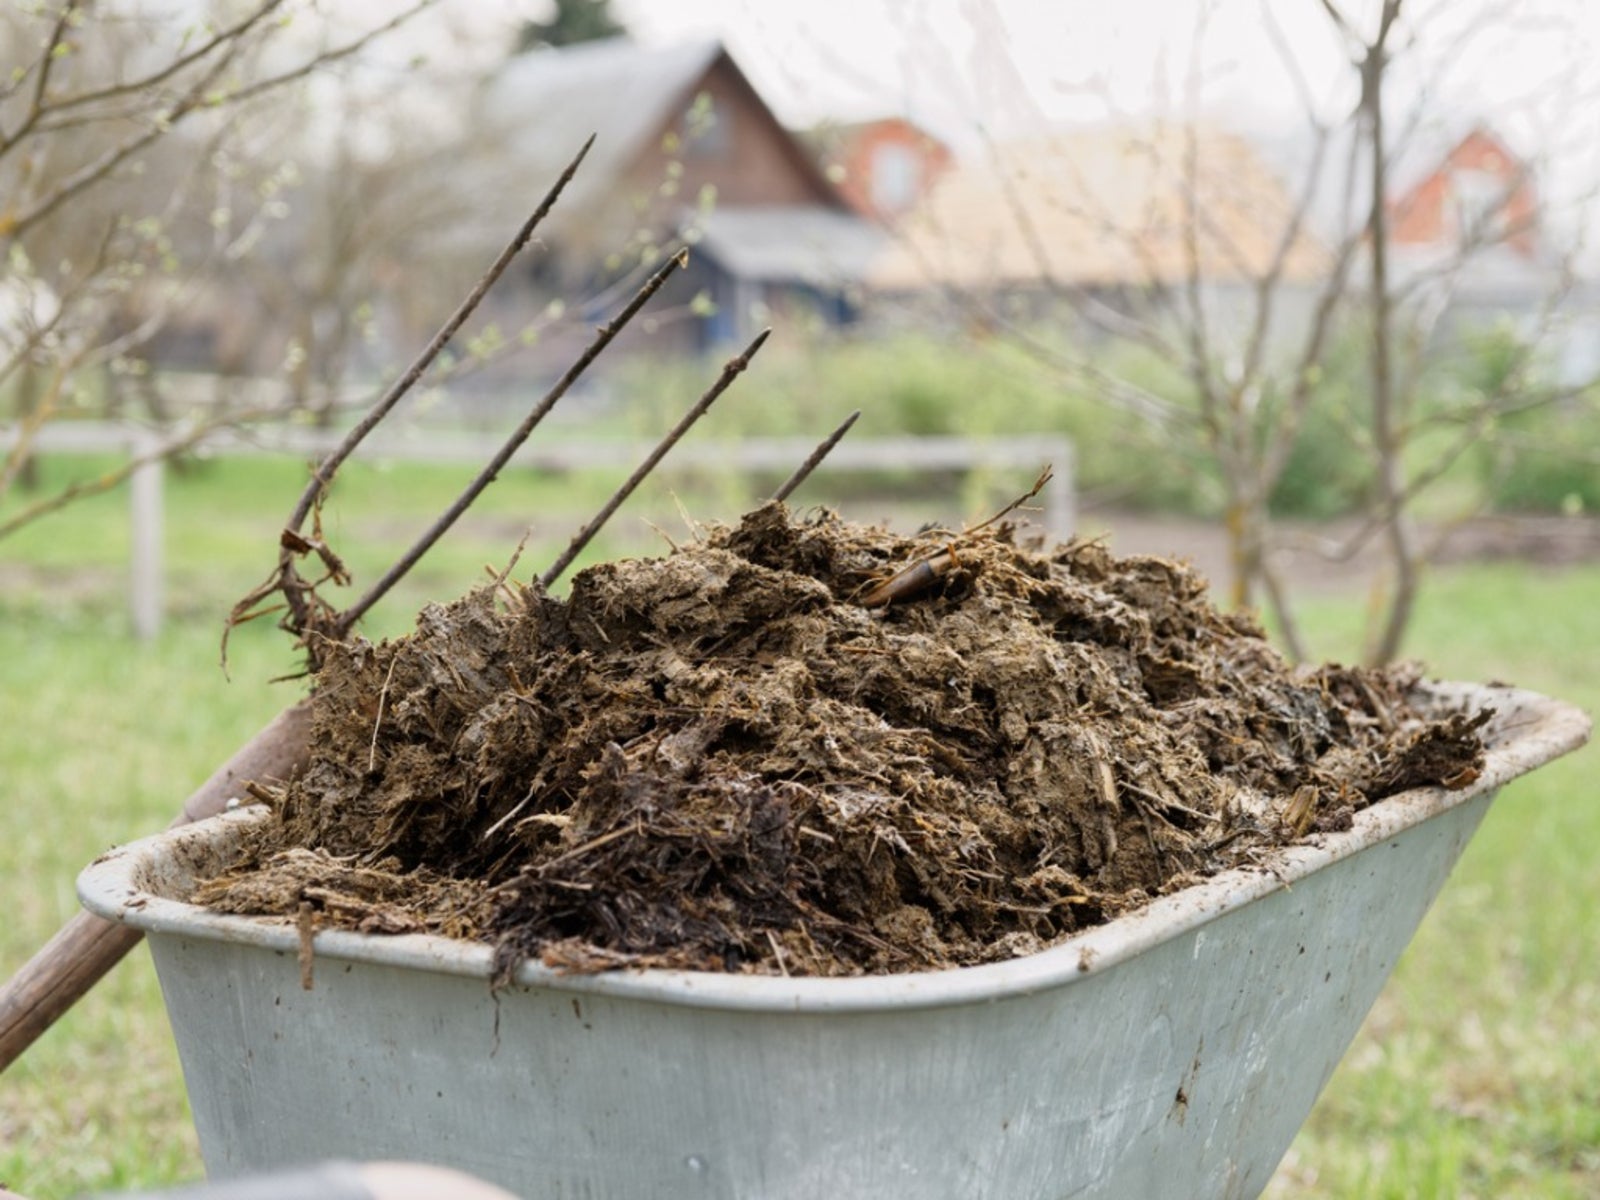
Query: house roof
x,y
543,105
546,103
1100,206
798,244
1427,151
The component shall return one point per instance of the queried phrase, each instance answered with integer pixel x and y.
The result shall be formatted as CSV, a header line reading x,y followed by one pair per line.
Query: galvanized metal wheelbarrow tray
x,y
1171,1053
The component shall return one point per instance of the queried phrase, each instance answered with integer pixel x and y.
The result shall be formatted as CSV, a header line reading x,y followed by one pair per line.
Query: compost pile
x,y
737,757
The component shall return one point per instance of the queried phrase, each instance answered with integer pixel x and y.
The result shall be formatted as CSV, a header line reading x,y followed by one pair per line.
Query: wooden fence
x,y
779,455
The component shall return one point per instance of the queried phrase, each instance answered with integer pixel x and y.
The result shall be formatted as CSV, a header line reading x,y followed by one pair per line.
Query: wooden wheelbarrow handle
x,y
86,947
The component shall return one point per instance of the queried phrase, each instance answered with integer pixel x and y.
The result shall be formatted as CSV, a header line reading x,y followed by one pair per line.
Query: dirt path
x,y
1307,563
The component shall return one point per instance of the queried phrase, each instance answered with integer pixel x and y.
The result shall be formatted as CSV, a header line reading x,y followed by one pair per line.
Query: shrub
x,y
1546,460
923,385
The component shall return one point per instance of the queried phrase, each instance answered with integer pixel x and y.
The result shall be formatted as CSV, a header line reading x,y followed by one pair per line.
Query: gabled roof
x,y
1428,151
543,105
547,102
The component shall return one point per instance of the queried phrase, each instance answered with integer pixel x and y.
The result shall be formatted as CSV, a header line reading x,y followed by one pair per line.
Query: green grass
x,y
222,519
100,740
1478,1073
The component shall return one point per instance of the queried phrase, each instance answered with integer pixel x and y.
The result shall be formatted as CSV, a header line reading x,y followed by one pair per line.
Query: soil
x,y
806,746
1302,553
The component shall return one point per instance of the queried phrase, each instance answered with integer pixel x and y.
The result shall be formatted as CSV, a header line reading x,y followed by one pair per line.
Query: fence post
x,y
145,536
1061,509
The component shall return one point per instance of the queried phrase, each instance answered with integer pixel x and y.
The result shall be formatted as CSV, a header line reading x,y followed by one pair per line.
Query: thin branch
x,y
223,36
1198,335
195,98
1045,476
38,334
28,428
1268,283
1286,430
1292,65
1340,22
1144,403
44,65
1190,177
1470,437
450,516
814,460
1277,596
1386,442
110,479
48,59
731,371
329,56
92,173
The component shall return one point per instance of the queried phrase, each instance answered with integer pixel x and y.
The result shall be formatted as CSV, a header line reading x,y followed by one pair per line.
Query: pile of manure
x,y
806,746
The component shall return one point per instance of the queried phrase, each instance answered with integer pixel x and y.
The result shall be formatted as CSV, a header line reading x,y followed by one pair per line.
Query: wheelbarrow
x,y
1173,1052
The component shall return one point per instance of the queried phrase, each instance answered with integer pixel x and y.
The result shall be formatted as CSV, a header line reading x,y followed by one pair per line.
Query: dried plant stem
x,y
803,472
377,724
730,372
1045,476
602,339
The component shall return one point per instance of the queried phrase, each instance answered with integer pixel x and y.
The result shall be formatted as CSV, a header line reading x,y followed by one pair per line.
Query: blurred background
x,y
1303,291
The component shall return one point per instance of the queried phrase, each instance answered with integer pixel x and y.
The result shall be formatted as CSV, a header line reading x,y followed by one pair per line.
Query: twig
x,y
602,339
916,578
1045,476
110,479
582,538
803,472
44,64
28,427
338,54
383,699
777,952
231,33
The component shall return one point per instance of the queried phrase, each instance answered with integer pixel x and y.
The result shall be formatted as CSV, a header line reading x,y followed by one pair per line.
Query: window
x,y
896,177
1480,200
707,128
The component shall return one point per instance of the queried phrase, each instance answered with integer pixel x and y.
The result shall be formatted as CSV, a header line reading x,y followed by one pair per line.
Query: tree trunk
x,y
1399,538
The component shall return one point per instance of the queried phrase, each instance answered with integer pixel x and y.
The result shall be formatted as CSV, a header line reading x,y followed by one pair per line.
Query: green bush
x,y
1546,460
1329,472
922,385
970,384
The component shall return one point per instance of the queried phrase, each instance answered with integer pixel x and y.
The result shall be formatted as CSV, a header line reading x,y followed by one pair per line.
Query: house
x,y
685,150
883,168
1467,232
1477,194
1121,216
1471,242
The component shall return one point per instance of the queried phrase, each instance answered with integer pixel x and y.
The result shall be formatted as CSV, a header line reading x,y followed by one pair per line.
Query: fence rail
x,y
435,447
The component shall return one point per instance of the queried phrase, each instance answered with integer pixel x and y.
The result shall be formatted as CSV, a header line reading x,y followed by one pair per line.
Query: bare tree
x,y
119,128
1269,299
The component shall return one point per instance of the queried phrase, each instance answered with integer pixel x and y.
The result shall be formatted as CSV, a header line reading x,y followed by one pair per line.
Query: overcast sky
x,y
1015,62
1529,68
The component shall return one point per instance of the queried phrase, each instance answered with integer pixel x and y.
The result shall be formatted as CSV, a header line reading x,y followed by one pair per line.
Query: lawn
x,y
1478,1073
